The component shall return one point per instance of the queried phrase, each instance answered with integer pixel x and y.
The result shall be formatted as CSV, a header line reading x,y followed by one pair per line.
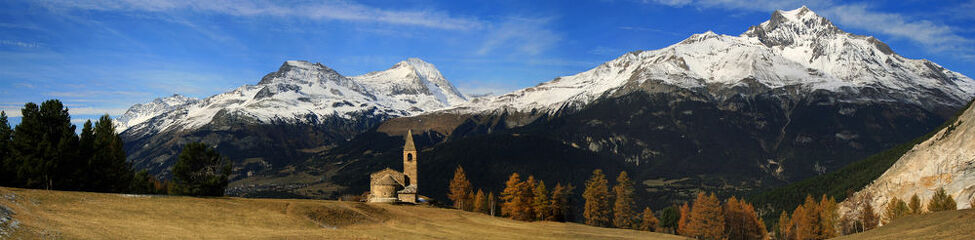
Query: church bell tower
x,y
409,159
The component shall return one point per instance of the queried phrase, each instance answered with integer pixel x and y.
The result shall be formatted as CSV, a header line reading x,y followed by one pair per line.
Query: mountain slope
x,y
947,160
140,113
288,115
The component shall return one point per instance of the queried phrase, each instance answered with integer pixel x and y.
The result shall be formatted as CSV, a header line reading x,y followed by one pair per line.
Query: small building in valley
x,y
391,186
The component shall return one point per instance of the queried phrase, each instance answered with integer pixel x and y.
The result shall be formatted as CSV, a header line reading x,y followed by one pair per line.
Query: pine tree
x,y
480,202
915,205
706,219
685,218
597,208
896,208
460,190
86,149
648,222
541,204
941,201
107,164
669,217
623,215
200,171
6,167
44,145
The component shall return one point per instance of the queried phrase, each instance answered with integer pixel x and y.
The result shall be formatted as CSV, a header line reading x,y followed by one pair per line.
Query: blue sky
x,y
103,56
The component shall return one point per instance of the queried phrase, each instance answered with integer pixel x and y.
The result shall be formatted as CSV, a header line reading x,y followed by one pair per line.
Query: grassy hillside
x,y
945,225
81,215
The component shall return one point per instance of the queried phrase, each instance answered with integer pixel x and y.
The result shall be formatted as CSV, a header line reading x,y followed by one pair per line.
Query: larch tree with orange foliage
x,y
685,217
541,204
742,222
648,222
480,202
597,209
461,191
623,215
784,230
706,219
515,205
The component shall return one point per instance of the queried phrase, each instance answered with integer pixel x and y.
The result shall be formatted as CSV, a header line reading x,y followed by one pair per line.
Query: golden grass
x,y
958,224
81,215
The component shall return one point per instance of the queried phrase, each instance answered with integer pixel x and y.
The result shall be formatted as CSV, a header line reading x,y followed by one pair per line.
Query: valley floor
x,y
80,215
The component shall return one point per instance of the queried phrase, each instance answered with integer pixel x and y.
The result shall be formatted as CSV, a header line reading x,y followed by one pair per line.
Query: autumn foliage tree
x,y
623,215
915,205
685,217
896,208
941,201
811,220
461,191
706,219
541,203
597,207
480,202
648,222
742,222
561,205
515,204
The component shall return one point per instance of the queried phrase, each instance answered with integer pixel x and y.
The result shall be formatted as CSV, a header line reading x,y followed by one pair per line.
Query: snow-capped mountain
x,y
290,114
140,113
795,49
790,98
303,92
947,160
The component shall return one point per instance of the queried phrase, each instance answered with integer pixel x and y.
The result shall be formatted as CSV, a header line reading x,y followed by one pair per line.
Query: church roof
x,y
409,142
409,189
387,180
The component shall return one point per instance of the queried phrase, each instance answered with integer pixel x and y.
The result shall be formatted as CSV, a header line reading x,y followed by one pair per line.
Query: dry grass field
x,y
40,214
945,225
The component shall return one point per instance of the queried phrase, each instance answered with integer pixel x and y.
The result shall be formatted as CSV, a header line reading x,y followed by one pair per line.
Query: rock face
x,y
288,115
945,160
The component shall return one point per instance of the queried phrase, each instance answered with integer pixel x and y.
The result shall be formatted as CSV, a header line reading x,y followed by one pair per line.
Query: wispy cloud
x,y
934,37
326,10
20,44
524,35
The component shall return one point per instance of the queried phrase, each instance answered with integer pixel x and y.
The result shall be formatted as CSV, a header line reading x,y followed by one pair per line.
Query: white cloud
x,y
935,37
524,35
326,10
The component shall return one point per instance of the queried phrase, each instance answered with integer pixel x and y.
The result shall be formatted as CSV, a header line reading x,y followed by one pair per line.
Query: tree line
x,y
45,152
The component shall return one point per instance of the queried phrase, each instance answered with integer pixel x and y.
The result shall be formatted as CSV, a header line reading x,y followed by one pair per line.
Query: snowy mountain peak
x,y
140,113
305,92
796,48
413,77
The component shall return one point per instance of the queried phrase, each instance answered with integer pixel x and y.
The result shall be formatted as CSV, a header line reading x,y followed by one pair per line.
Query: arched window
x,y
409,157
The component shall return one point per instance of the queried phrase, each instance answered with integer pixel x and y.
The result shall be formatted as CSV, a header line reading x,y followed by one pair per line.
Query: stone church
x,y
391,186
